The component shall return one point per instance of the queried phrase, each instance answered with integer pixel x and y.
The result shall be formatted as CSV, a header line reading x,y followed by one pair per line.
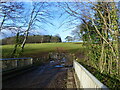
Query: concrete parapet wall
x,y
87,80
11,63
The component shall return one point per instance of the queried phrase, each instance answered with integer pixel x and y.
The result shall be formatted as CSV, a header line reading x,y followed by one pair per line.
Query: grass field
x,y
36,50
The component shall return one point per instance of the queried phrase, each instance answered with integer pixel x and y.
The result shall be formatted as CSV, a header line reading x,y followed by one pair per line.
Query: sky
x,y
60,22
63,23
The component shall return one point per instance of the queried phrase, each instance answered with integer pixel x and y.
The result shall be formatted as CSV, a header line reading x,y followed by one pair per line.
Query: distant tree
x,y
68,38
76,33
42,38
58,38
37,14
55,39
32,39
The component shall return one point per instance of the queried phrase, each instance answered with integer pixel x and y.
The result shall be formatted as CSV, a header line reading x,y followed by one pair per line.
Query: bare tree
x,y
10,14
103,16
38,14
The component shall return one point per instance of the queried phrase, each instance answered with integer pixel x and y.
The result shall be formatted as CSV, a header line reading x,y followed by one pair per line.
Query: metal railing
x,y
86,79
11,63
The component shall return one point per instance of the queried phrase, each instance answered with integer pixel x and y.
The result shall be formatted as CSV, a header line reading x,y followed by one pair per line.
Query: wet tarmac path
x,y
50,75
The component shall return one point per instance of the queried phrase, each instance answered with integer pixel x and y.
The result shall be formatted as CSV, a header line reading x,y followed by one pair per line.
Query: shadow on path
x,y
45,76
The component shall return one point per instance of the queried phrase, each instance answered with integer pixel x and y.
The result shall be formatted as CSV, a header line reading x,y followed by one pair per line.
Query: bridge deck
x,y
49,75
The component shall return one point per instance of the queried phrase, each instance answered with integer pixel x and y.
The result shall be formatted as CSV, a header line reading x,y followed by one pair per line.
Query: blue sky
x,y
61,22
57,21
63,31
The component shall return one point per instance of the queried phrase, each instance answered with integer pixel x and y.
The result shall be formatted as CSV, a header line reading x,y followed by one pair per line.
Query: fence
x,y
11,63
86,79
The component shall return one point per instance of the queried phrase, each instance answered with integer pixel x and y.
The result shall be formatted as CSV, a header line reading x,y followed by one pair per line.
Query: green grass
x,y
32,50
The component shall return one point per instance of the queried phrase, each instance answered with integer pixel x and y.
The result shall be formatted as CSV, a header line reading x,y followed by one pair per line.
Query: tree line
x,y
100,33
22,19
33,39
99,29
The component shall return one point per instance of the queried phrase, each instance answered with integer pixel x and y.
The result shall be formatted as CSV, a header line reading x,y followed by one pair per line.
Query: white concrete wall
x,y
87,80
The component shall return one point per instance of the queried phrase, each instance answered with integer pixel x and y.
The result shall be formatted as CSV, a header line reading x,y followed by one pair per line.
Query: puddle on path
x,y
52,61
59,66
52,74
